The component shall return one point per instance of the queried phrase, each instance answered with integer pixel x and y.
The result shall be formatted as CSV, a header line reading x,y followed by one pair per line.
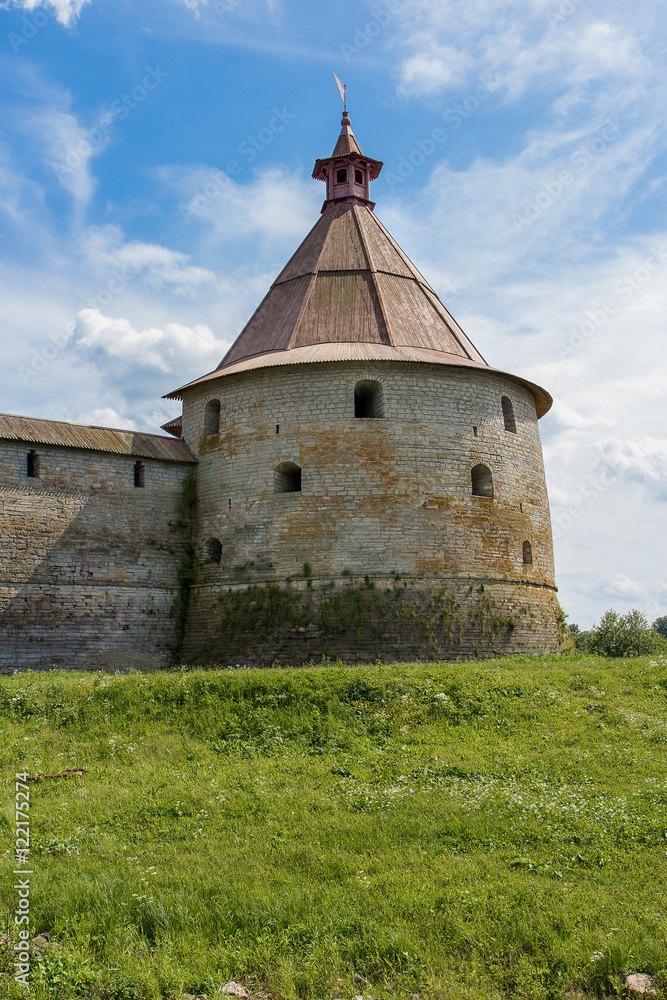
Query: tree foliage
x,y
660,626
622,635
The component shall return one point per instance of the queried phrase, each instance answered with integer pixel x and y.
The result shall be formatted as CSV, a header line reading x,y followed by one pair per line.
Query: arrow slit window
x,y
212,417
33,465
508,414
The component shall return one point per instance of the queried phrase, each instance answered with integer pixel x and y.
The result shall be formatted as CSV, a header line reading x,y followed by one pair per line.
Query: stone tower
x,y
367,487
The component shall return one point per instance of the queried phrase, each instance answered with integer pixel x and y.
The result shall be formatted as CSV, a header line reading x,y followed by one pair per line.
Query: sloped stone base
x,y
369,619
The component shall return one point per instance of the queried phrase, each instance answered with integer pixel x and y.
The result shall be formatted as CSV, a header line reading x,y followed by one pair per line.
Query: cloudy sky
x,y
155,160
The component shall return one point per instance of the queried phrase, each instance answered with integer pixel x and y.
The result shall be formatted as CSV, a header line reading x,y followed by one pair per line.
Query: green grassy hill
x,y
471,830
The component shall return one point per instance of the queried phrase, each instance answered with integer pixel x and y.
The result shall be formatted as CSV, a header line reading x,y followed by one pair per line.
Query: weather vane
x,y
342,90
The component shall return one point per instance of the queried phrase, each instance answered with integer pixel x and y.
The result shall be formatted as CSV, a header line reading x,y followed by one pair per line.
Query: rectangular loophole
x,y
33,465
139,474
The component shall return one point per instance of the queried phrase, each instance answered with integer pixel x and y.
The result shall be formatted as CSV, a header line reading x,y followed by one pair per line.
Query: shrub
x,y
578,639
626,635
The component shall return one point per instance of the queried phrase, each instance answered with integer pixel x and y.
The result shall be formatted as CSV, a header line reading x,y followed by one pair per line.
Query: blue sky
x,y
155,162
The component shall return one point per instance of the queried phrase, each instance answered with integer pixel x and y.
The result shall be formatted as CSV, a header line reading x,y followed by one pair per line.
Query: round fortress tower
x,y
367,487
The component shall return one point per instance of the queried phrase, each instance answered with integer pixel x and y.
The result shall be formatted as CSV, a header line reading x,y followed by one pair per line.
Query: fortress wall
x,y
379,496
88,564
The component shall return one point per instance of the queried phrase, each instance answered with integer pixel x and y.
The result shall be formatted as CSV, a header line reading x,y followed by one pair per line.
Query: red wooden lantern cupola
x,y
347,172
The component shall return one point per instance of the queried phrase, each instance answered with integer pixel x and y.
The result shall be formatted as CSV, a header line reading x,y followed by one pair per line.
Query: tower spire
x,y
347,173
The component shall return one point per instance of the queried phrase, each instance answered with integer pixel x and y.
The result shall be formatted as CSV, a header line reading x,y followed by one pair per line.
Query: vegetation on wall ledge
x,y
186,572
255,622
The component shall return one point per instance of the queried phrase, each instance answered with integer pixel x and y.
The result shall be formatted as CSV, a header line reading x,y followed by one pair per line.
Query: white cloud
x,y
65,11
106,416
443,42
620,585
432,67
21,203
560,189
276,205
159,267
169,350
570,418
69,147
639,460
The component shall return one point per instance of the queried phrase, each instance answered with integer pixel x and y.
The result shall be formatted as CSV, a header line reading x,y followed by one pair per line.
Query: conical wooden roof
x,y
350,282
350,293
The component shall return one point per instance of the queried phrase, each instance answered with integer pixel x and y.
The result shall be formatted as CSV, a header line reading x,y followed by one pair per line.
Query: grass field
x,y
472,830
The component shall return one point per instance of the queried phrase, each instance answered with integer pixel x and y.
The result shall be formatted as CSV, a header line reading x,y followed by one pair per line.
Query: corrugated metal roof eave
x,y
342,352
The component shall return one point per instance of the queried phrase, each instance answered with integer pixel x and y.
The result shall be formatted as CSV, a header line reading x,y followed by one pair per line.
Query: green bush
x,y
622,635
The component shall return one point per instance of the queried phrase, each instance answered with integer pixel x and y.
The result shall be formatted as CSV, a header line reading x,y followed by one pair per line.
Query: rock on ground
x,y
641,984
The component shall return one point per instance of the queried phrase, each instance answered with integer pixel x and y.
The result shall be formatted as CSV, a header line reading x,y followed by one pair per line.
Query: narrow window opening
x,y
368,401
527,554
212,417
139,474
287,478
474,432
277,428
508,414
33,465
214,550
230,504
482,481
358,176
341,176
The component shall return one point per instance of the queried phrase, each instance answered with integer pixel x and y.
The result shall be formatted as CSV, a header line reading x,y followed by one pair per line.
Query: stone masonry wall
x,y
386,498
88,564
